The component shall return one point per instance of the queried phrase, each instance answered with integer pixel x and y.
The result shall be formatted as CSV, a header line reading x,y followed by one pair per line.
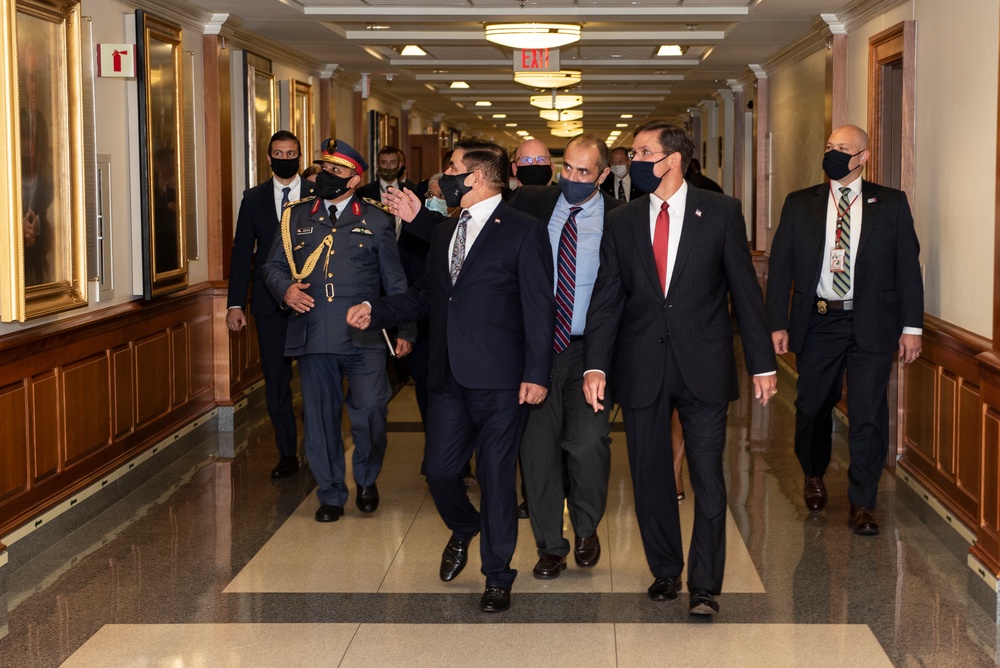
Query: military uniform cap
x,y
341,153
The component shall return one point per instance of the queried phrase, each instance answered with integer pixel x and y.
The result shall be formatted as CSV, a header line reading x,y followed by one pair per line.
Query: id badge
x,y
837,260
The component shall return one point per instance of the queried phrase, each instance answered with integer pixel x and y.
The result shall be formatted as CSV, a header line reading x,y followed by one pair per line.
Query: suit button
x,y
661,339
451,299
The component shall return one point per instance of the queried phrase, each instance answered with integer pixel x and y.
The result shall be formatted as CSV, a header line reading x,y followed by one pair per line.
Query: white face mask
x,y
619,170
513,183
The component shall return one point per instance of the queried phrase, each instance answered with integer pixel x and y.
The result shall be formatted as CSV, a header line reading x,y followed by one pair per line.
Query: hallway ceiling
x,y
617,52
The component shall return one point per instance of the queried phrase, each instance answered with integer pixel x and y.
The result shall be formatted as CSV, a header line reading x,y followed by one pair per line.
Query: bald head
x,y
532,148
850,146
850,136
532,164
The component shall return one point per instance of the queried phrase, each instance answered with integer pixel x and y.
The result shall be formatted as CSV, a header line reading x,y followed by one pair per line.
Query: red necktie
x,y
661,236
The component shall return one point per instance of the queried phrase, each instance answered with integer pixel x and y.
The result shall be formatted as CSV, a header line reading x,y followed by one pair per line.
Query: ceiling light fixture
x,y
376,26
559,79
572,132
458,84
614,133
621,125
499,115
626,115
533,35
670,50
510,125
412,50
484,103
556,101
561,115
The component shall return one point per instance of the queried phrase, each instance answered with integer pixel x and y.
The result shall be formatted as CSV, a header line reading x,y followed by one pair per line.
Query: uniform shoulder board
x,y
377,204
300,201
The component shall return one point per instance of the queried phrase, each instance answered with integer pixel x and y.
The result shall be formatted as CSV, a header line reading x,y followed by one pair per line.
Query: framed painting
x,y
262,116
301,120
42,194
161,156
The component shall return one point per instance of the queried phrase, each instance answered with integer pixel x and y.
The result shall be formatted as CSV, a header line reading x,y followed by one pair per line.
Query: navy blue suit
x,y
489,332
255,228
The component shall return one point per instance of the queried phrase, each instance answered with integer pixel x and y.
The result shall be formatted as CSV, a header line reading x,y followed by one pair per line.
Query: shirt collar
x,y
854,185
279,186
480,210
675,200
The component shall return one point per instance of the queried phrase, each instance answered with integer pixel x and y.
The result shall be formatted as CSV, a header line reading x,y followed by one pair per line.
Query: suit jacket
x,y
494,327
255,228
540,201
374,191
629,317
609,187
362,260
885,272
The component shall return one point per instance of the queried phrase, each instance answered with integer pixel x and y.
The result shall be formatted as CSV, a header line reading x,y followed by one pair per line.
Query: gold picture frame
x,y
161,155
42,192
262,115
301,118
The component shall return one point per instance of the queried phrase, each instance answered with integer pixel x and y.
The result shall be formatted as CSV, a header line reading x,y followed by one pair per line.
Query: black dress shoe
x,y
287,466
665,589
862,522
522,511
587,551
703,603
549,567
454,557
367,498
495,599
814,493
329,513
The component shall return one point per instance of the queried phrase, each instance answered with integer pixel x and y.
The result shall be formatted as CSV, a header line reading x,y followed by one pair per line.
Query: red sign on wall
x,y
116,60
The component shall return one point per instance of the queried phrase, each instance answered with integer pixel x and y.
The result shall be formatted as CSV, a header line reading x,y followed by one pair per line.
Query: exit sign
x,y
536,60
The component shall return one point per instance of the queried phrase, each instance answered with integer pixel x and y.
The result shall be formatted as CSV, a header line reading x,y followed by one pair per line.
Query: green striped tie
x,y
842,280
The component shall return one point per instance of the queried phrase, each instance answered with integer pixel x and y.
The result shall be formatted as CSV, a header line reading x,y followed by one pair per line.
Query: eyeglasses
x,y
643,154
533,160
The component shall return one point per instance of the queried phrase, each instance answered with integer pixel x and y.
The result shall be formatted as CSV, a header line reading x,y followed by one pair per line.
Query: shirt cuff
x,y
597,370
232,307
766,373
916,331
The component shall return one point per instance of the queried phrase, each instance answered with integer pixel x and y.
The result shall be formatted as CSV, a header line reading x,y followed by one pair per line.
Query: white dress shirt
x,y
676,206
295,188
480,212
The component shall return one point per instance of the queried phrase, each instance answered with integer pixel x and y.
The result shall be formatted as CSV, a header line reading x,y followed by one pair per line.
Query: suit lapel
x,y
690,231
869,213
816,229
492,225
643,242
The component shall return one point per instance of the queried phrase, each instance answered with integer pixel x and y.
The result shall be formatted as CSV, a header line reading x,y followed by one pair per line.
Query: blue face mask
x,y
576,191
437,204
643,177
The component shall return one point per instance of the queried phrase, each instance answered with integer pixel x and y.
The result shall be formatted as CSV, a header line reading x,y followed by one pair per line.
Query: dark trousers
x,y
564,426
489,423
277,371
830,349
418,369
651,460
323,400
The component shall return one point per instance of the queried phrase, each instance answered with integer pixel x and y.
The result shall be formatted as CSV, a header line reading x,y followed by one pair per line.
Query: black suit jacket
x,y
629,317
540,201
609,187
373,190
888,288
256,225
494,327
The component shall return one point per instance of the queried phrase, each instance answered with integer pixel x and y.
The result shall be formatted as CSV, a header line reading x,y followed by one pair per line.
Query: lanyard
x,y
840,214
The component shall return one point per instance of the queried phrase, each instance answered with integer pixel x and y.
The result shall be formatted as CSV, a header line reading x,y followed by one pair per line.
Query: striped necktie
x,y
842,279
458,250
621,191
566,281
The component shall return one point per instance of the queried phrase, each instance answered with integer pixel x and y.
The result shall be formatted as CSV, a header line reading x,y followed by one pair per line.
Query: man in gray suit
x,y
333,250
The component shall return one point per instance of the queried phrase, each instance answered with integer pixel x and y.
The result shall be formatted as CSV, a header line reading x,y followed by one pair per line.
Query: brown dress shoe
x,y
814,493
549,567
587,551
862,522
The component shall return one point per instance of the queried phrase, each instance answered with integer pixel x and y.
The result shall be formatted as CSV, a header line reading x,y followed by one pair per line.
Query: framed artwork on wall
x,y
301,119
261,115
161,155
42,195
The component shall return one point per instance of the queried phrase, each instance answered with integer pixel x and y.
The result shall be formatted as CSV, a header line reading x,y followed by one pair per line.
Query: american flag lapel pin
x,y
872,200
496,221
697,212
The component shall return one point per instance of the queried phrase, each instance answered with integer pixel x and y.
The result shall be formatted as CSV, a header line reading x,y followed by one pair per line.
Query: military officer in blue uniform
x,y
332,250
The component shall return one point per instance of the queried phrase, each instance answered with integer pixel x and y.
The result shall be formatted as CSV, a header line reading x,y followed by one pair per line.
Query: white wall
x,y
954,194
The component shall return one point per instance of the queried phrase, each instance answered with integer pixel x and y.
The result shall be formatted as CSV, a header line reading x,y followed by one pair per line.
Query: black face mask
x,y
836,164
388,174
534,175
285,168
454,188
643,177
330,186
576,191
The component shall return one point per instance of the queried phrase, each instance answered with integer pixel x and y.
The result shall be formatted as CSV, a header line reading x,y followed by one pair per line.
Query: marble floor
x,y
210,563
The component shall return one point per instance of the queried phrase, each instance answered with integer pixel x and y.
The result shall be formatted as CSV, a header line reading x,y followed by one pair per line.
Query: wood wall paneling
x,y
152,375
202,354
45,418
970,447
946,431
13,439
180,364
87,406
124,388
921,378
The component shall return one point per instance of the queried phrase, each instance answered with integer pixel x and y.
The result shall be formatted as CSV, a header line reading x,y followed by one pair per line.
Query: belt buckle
x,y
821,307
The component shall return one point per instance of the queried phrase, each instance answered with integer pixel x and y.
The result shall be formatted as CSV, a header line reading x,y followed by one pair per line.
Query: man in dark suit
x,y
255,228
563,429
389,168
659,326
488,293
699,180
620,184
333,249
849,251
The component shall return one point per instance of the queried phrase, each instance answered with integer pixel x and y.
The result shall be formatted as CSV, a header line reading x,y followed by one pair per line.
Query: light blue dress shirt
x,y
590,228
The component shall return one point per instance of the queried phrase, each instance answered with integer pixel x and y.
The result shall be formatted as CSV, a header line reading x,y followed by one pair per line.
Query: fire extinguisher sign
x,y
116,60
